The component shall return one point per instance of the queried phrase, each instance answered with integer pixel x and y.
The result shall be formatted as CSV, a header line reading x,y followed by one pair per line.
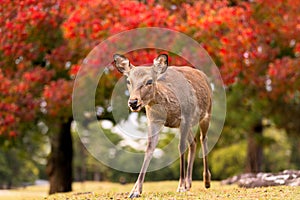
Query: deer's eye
x,y
149,82
128,82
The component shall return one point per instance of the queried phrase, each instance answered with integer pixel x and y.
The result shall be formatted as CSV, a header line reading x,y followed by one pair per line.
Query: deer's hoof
x,y
134,195
207,185
188,188
181,189
188,185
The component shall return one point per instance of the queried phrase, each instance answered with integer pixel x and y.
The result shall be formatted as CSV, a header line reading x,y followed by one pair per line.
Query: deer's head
x,y
141,80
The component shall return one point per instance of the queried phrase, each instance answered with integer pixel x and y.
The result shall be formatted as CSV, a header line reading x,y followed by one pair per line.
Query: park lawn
x,y
154,190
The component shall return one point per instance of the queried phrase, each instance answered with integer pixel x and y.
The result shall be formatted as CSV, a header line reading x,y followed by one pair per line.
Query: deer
x,y
175,97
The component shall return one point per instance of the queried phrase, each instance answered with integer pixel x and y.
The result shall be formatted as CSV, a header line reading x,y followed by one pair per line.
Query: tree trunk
x,y
295,151
255,149
59,166
97,176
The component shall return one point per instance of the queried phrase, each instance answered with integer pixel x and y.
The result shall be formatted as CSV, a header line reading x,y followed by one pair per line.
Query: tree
x,y
40,57
34,60
256,45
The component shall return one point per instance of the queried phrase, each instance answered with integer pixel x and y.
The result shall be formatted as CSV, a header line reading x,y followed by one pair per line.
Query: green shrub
x,y
228,161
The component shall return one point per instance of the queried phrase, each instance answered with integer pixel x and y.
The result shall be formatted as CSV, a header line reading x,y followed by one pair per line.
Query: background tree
x,y
39,54
34,65
255,45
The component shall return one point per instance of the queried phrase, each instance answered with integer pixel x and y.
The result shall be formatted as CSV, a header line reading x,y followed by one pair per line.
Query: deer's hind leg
x,y
204,124
191,159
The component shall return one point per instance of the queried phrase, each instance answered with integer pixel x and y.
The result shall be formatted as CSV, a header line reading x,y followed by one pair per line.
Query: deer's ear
x,y
160,64
122,63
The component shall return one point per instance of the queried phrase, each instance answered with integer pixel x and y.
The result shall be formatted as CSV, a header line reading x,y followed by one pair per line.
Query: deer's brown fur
x,y
177,97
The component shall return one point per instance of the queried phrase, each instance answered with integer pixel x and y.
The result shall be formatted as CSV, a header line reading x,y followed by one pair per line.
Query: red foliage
x,y
43,43
254,42
284,78
31,55
57,95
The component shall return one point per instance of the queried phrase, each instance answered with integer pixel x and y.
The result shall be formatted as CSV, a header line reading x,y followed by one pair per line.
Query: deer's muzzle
x,y
133,104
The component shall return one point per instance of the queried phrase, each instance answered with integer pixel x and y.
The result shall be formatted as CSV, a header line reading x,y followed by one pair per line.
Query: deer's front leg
x,y
154,129
184,128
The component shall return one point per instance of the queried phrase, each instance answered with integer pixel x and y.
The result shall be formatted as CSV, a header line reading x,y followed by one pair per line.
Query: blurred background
x,y
255,44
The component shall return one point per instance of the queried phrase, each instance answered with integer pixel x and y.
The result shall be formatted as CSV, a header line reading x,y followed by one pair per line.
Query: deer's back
x,y
199,82
184,92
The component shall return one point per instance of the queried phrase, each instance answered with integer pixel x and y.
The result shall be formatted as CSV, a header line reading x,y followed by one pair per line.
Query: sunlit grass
x,y
154,190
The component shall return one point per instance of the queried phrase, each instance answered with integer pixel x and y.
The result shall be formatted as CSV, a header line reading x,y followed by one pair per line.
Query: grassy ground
x,y
153,190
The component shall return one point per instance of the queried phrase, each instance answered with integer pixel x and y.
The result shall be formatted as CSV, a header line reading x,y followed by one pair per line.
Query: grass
x,y
153,190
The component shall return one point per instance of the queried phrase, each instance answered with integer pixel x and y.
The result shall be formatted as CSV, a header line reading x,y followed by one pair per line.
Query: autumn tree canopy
x,y
253,43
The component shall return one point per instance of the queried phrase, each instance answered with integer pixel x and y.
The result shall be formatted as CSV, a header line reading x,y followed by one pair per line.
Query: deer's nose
x,y
132,102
